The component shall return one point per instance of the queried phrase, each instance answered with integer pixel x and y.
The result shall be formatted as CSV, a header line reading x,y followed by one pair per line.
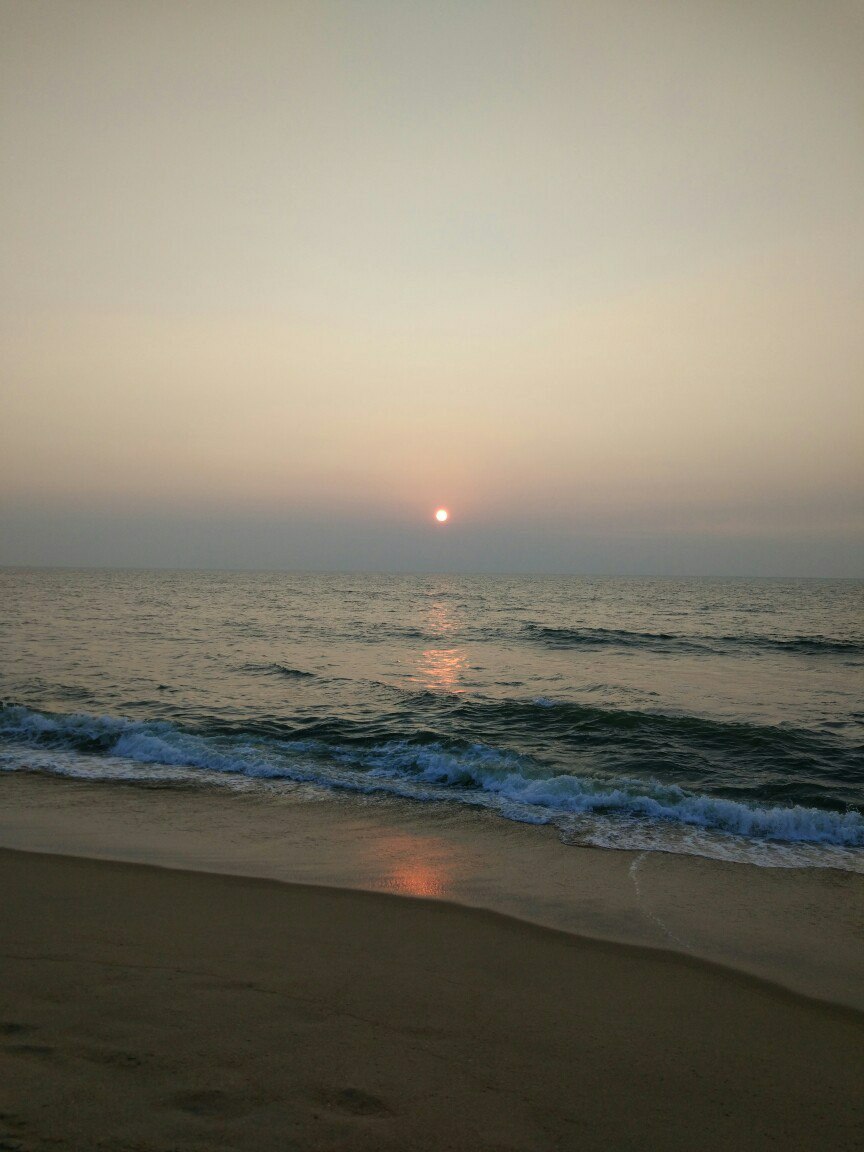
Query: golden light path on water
x,y
441,667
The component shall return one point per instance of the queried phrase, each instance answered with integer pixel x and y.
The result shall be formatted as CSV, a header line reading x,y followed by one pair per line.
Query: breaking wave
x,y
517,786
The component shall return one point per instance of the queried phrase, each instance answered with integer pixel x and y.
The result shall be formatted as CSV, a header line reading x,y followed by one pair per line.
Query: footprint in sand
x,y
13,1028
10,1129
40,1051
357,1103
113,1058
209,1102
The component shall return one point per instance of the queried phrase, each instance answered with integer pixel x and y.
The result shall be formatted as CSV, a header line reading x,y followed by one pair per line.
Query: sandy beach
x,y
799,928
153,1009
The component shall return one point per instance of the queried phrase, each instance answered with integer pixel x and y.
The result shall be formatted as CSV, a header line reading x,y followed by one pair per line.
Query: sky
x,y
280,279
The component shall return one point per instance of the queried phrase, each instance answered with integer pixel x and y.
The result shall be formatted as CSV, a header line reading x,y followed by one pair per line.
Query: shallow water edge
x,y
799,928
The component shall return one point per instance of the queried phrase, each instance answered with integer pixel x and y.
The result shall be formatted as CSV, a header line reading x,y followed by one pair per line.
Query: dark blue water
x,y
719,717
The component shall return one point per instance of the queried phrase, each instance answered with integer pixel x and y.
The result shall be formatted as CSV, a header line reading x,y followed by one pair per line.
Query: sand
x,y
146,1009
801,928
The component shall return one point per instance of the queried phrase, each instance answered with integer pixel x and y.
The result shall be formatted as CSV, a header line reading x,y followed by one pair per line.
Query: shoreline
x,y
153,1008
797,929
597,943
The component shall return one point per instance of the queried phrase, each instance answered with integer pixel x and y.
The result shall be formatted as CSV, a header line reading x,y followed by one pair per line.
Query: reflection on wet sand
x,y
416,865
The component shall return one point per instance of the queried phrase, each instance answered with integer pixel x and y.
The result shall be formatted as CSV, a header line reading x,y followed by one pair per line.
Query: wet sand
x,y
145,1009
799,928
159,1009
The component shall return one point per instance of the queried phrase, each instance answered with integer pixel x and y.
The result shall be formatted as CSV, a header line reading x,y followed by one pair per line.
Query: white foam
x,y
623,812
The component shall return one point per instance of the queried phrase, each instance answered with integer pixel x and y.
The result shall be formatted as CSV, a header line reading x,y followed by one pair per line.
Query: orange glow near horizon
x,y
442,515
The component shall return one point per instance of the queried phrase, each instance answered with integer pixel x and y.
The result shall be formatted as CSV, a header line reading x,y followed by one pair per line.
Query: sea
x,y
719,718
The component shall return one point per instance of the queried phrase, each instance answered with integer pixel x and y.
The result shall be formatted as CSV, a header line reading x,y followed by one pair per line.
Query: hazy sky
x,y
278,279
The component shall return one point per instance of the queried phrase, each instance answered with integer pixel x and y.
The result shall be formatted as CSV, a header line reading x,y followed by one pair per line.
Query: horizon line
x,y
553,575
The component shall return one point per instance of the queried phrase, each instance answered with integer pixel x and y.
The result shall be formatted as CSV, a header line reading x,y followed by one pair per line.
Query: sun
x,y
442,515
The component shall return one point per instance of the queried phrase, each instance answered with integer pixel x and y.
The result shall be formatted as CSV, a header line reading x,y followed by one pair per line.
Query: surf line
x,y
634,876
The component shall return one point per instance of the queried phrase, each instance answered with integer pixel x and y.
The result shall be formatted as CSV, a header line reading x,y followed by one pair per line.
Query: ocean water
x,y
721,718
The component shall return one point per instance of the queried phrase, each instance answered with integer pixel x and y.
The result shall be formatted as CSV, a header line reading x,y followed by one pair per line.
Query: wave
x,y
279,670
782,762
554,637
519,787
575,795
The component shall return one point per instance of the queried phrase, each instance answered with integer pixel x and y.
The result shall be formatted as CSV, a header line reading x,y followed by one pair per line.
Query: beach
x,y
154,1008
431,577
391,863
799,928
147,1008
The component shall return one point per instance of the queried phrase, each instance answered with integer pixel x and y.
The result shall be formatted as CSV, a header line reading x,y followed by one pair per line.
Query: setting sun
x,y
441,515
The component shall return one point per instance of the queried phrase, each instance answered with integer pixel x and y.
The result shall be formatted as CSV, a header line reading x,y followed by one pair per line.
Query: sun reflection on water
x,y
441,668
